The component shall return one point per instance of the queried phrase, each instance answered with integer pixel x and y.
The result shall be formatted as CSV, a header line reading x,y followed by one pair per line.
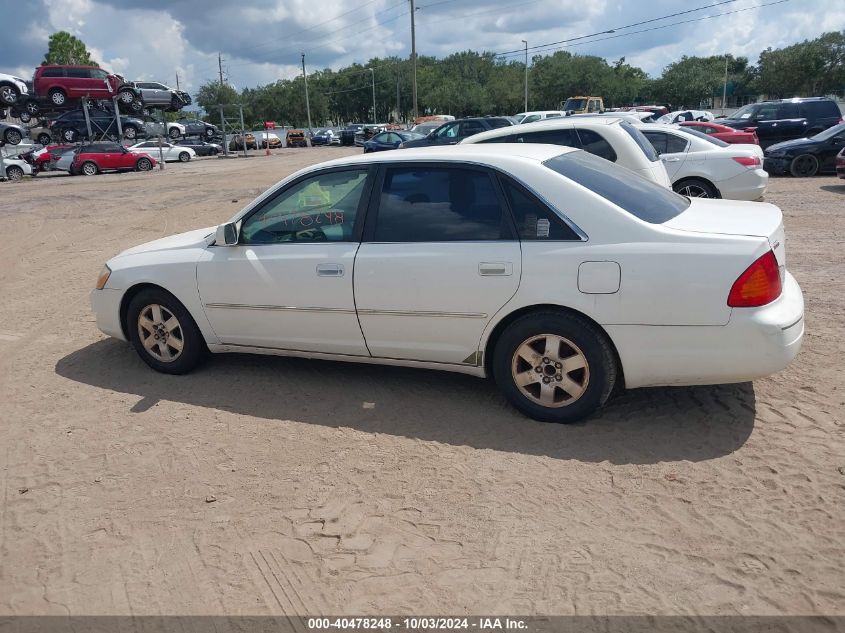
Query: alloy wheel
x,y
550,370
8,95
693,191
160,333
89,169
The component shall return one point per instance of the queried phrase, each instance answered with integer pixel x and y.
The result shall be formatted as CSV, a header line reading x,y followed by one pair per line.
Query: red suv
x,y
60,83
93,159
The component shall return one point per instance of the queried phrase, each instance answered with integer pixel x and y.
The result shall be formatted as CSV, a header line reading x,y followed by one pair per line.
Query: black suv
x,y
70,127
784,120
454,132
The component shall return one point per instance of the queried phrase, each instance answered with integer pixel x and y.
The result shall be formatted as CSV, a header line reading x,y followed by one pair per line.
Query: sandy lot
x,y
438,499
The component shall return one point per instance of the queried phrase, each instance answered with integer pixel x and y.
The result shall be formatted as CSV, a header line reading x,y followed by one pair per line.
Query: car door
x,y
439,259
791,122
765,119
672,149
77,82
287,284
98,83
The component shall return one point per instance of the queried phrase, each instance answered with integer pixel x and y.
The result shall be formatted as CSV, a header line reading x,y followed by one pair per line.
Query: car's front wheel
x,y
57,97
554,366
143,164
12,136
25,117
9,94
184,157
44,138
130,133
14,173
89,168
174,133
804,166
163,333
69,135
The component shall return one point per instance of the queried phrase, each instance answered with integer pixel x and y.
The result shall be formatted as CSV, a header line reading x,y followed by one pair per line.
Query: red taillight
x,y
758,285
748,161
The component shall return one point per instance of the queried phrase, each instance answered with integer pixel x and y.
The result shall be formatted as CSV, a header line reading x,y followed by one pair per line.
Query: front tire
x,y
554,366
9,95
174,133
804,166
163,333
44,138
12,136
69,135
143,164
89,169
57,97
130,133
695,188
14,173
25,117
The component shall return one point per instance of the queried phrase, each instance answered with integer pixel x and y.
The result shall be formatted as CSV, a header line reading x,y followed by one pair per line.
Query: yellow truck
x,y
583,105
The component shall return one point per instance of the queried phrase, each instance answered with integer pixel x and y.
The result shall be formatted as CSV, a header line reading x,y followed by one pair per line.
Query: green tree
x,y
64,48
809,68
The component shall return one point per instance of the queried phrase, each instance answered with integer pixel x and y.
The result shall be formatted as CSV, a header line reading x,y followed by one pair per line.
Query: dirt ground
x,y
345,489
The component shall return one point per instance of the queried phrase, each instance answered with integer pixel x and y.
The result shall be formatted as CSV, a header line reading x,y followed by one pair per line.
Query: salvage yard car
x,y
171,153
807,156
96,158
554,271
71,126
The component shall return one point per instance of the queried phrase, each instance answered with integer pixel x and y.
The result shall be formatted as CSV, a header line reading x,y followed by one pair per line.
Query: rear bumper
x,y
756,342
105,304
749,185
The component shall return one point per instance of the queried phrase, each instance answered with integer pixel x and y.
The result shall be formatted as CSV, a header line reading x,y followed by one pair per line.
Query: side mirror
x,y
227,235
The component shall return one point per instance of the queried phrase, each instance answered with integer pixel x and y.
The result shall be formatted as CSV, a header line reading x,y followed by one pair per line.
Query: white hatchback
x,y
612,138
702,166
171,153
553,271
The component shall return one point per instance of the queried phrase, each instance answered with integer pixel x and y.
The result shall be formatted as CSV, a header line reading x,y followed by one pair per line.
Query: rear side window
x,y
700,134
534,220
789,111
595,143
468,128
640,197
439,204
666,143
53,72
820,109
566,137
641,141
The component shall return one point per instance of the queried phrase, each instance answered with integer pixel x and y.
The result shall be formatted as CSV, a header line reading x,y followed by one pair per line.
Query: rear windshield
x,y
710,139
640,197
641,140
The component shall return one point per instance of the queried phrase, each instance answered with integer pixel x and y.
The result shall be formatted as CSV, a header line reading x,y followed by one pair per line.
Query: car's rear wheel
x,y
184,157
175,103
25,117
695,188
163,333
44,138
69,135
554,366
126,96
209,133
31,108
57,96
8,94
12,136
174,133
130,133
89,168
14,173
804,166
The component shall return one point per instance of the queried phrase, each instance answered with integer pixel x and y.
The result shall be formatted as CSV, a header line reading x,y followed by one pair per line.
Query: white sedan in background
x,y
171,153
612,138
701,166
538,115
552,270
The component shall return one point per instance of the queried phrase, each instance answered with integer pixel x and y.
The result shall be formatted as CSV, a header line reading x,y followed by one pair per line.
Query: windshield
x,y
830,132
745,112
641,198
575,104
710,139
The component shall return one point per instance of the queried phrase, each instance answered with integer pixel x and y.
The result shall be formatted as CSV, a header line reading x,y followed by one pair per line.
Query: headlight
x,y
103,278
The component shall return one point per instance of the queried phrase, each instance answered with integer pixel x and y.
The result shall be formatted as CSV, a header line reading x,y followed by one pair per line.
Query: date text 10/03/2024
x,y
417,623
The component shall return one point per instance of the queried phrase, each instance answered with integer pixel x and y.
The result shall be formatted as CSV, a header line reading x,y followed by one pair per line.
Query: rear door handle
x,y
330,270
489,269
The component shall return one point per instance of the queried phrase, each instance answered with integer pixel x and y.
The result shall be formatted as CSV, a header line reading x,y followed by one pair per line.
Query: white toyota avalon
x,y
554,271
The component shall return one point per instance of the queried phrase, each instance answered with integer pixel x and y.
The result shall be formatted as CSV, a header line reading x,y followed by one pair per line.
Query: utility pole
x,y
373,74
398,105
177,81
220,66
526,74
414,56
725,87
307,102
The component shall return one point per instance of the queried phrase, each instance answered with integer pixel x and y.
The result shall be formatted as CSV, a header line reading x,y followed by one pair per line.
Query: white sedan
x,y
612,138
702,166
547,268
172,153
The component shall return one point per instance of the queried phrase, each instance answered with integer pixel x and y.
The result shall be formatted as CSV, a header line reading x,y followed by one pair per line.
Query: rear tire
x,y
89,168
14,173
12,136
9,95
174,133
804,166
69,135
163,332
44,138
57,97
130,133
25,117
554,366
695,188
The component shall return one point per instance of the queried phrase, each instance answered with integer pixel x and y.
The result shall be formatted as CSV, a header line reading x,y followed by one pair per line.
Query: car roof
x,y
557,123
489,154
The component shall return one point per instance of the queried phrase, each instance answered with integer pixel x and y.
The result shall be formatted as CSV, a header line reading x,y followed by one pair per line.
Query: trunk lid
x,y
734,217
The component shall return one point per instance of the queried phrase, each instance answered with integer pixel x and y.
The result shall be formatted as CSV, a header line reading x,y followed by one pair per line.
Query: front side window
x,y
79,73
438,204
766,112
534,220
447,131
640,197
531,118
595,143
497,123
322,208
565,137
98,73
468,128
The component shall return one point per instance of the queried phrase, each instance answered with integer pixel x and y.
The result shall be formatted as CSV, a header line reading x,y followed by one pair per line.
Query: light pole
x,y
414,57
526,74
725,86
307,103
373,74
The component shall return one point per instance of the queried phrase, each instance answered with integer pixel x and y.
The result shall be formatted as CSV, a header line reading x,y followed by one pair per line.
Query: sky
x,y
261,40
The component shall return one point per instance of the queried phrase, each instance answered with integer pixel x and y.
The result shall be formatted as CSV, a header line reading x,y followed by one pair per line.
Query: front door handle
x,y
489,269
669,159
330,270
